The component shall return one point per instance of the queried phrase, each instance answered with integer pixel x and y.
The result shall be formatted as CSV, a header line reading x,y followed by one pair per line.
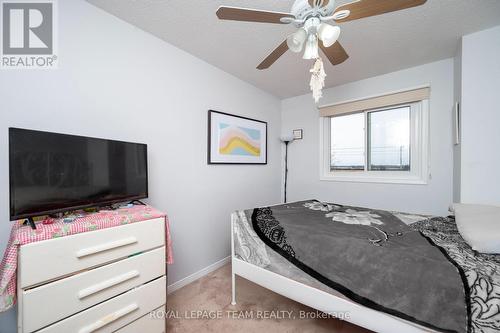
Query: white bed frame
x,y
318,299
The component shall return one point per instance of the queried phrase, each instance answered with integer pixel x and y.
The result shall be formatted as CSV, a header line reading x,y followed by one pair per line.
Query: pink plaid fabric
x,y
21,235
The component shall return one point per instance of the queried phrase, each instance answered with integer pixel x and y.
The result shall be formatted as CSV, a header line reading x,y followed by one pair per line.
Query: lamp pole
x,y
286,140
286,165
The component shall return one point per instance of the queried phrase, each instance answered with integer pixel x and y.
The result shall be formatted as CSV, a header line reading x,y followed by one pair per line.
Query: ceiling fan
x,y
310,17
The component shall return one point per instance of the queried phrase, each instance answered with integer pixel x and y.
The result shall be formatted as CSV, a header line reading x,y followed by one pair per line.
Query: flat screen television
x,y
52,173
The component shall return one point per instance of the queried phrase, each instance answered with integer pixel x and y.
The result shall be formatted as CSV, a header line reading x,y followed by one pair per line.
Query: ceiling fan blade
x,y
271,59
250,15
366,8
319,3
335,53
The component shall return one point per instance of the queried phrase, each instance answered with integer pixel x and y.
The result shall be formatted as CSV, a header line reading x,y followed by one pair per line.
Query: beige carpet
x,y
204,306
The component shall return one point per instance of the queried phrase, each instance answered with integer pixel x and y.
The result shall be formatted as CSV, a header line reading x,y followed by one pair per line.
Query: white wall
x,y
480,176
116,81
457,149
434,198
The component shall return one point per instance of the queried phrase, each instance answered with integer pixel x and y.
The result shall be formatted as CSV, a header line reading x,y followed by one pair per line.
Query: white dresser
x,y
107,280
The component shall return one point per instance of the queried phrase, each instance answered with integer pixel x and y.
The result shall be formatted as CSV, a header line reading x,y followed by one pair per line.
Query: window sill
x,y
409,180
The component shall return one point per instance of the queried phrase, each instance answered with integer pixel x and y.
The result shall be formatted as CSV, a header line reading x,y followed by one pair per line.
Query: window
x,y
348,142
389,139
387,144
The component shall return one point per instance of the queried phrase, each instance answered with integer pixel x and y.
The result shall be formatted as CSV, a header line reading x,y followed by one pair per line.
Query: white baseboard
x,y
195,276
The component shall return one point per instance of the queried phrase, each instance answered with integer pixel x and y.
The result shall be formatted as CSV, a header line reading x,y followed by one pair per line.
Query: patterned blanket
x,y
424,273
481,270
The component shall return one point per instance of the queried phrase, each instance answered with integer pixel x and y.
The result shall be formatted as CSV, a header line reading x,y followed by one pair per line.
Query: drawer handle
x,y
109,319
107,284
105,247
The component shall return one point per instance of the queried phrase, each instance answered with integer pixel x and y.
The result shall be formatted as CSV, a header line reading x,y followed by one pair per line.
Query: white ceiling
x,y
376,45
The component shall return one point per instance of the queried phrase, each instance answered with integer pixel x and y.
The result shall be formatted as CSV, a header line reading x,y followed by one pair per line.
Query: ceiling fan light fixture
x,y
296,40
328,34
311,51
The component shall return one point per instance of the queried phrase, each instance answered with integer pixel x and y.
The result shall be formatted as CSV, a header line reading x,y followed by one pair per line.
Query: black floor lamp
x,y
286,140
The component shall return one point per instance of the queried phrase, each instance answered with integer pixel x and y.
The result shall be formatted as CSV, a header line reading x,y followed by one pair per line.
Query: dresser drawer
x,y
47,260
116,312
81,291
146,324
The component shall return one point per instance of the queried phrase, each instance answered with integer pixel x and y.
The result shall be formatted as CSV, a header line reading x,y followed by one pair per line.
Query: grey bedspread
x,y
371,257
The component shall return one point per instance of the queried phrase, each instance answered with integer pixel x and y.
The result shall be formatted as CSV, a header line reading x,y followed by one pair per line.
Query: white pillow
x,y
479,226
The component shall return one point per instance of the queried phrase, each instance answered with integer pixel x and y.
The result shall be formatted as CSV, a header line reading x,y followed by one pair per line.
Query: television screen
x,y
51,172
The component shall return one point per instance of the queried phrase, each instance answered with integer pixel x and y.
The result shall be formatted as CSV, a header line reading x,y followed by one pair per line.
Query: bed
x,y
468,282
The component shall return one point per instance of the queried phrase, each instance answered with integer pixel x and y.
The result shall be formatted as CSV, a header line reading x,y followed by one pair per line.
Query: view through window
x,y
383,146
348,142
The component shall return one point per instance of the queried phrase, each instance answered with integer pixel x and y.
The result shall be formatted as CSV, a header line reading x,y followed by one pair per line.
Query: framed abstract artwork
x,y
236,140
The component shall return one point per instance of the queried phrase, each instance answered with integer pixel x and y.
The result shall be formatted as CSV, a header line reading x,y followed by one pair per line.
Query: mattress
x,y
250,248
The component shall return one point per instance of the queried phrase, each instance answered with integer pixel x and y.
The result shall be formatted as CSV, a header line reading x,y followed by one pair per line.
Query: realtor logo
x,y
28,35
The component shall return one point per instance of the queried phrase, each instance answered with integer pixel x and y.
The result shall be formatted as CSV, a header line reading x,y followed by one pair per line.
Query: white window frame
x,y
419,151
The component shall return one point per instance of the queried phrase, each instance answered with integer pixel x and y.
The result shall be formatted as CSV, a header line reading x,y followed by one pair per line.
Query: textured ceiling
x,y
376,45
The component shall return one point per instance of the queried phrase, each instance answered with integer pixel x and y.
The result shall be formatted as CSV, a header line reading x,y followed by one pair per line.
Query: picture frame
x,y
456,124
297,134
234,139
